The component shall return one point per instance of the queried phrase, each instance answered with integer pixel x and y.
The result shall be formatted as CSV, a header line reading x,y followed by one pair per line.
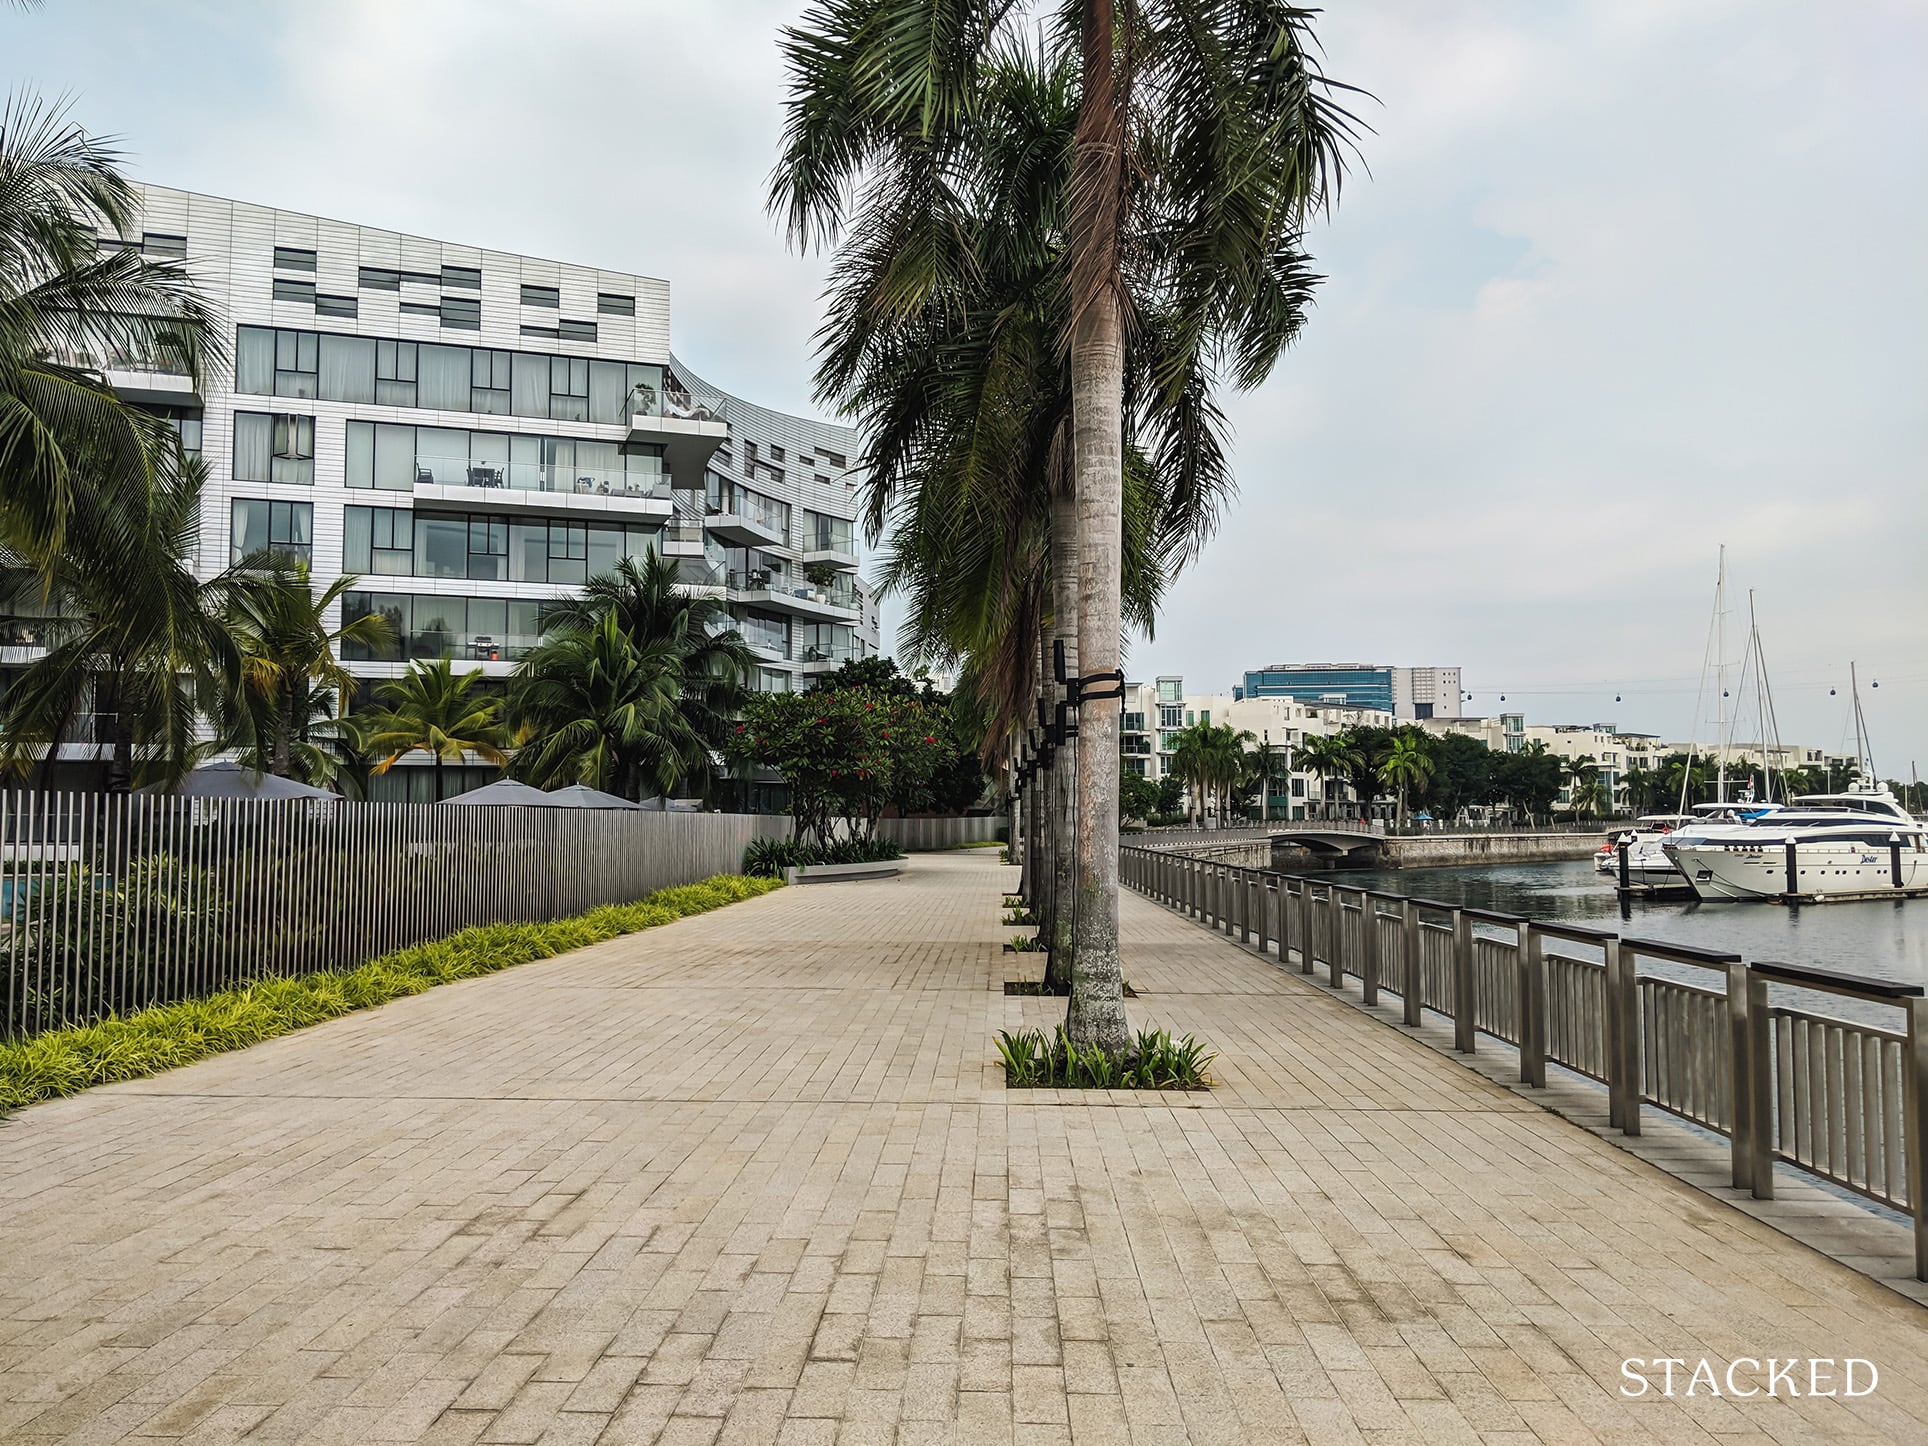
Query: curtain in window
x,y
248,527
531,385
442,377
253,447
357,525
254,361
395,457
608,392
348,368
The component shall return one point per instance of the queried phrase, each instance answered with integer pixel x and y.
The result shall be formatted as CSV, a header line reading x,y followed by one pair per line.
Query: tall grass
x,y
66,1061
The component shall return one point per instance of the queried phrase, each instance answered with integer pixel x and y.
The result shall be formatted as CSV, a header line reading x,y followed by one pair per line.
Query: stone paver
x,y
753,1177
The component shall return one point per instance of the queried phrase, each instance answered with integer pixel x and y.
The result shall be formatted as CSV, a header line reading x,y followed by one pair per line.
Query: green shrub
x,y
1155,1061
767,858
66,1061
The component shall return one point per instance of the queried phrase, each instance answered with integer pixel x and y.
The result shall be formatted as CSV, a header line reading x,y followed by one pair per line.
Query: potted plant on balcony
x,y
822,577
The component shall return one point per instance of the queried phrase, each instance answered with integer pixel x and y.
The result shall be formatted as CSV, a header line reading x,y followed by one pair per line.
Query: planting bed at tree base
x,y
1033,988
1153,1061
66,1061
842,873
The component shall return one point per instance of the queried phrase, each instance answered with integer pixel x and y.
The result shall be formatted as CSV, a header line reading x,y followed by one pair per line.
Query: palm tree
x,y
1578,773
139,650
1331,755
1264,764
1405,764
1189,181
290,661
75,457
1588,798
598,709
433,709
713,663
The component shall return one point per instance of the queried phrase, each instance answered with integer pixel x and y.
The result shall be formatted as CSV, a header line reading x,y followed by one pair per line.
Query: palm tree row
x,y
1049,251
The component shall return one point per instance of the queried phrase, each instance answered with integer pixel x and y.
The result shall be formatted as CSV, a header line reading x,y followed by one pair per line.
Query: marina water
x,y
1886,940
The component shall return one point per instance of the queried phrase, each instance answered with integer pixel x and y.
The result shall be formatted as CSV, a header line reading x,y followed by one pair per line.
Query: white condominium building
x,y
473,433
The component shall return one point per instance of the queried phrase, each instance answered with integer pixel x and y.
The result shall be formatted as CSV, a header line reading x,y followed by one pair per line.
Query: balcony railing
x,y
539,477
670,402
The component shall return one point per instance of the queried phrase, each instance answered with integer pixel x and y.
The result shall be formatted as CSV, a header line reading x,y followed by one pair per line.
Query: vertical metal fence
x,y
112,903
1837,1098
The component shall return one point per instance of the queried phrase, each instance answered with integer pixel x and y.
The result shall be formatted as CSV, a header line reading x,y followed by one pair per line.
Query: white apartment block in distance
x,y
474,433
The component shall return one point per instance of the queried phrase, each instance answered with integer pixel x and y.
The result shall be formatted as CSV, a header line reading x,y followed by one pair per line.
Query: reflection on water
x,y
1887,940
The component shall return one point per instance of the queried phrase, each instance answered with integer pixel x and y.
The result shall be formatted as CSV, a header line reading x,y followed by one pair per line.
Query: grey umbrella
x,y
581,795
223,779
504,790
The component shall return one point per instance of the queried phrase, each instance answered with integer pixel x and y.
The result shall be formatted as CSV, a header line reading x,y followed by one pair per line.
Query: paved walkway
x,y
752,1177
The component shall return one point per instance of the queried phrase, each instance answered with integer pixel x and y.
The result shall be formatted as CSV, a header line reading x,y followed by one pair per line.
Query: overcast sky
x,y
1626,280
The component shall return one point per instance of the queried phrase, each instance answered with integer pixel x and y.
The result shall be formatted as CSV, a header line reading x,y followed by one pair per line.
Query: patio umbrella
x,y
581,795
504,790
224,779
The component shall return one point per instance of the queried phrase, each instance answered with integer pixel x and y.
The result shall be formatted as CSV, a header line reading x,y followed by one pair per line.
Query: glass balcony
x,y
572,478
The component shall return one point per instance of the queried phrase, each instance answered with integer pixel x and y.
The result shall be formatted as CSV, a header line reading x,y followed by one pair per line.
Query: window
x,y
282,529
273,448
293,258
380,540
541,296
344,306
467,278
441,546
545,331
376,278
285,290
421,278
276,363
380,455
489,549
576,330
836,459
167,248
422,308
270,362
481,629
569,388
187,426
395,373
776,453
462,312
610,304
568,552
1168,717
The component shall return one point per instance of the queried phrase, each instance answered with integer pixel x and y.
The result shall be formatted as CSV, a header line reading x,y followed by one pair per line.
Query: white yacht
x,y
1646,863
1858,842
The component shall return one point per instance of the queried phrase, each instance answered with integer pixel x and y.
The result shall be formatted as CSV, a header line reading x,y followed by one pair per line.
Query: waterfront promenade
x,y
754,1176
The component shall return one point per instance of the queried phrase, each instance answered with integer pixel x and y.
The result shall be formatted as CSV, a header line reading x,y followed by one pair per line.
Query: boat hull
x,y
1759,871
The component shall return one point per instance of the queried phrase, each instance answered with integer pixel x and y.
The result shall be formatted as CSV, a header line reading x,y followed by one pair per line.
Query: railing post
x,y
1269,914
1308,930
1409,957
1369,942
1335,937
1622,1041
1531,988
1465,1005
1914,1121
1740,1079
1760,1090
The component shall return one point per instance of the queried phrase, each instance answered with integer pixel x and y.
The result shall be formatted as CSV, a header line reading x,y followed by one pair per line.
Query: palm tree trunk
x,y
1064,779
438,778
1044,906
1097,1012
284,728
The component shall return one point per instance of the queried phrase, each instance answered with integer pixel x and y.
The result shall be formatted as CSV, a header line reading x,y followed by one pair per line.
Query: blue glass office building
x,y
1357,685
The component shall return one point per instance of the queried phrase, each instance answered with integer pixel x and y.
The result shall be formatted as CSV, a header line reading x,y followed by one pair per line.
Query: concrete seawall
x,y
1434,850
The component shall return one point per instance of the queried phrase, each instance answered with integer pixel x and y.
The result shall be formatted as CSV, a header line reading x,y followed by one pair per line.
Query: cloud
x,y
1626,279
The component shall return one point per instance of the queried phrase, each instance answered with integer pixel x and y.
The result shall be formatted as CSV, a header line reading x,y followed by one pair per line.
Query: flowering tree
x,y
846,753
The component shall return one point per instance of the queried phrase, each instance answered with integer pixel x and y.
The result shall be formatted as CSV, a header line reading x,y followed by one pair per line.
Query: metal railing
x,y
1837,1098
112,903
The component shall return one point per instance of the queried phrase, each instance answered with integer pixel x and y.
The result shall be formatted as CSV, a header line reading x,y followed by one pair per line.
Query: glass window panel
x,y
524,627
530,391
254,361
646,382
487,630
357,539
488,459
301,524
442,377
528,552
442,456
360,468
600,464
348,368
437,621
608,392
525,463
307,351
394,457
284,351
254,447
441,547
610,304
248,522
604,548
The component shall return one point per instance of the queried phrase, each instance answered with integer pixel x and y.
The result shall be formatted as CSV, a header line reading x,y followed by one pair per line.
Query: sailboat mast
x,y
1863,755
1720,675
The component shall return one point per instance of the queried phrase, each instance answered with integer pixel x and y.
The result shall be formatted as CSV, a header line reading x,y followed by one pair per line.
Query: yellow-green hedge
x,y
66,1061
